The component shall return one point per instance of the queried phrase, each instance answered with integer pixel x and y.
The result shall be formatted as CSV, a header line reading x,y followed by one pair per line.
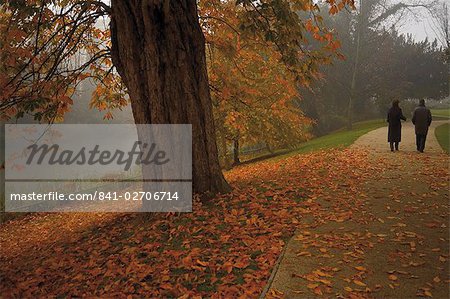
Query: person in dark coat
x,y
394,116
421,120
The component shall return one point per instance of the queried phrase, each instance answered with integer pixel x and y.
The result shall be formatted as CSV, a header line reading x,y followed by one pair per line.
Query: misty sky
x,y
418,20
420,26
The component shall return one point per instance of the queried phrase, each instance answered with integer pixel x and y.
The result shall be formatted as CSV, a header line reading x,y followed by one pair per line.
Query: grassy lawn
x,y
441,113
341,138
442,134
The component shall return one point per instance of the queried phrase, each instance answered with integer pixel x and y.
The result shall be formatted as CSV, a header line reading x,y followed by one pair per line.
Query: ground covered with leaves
x,y
225,248
386,237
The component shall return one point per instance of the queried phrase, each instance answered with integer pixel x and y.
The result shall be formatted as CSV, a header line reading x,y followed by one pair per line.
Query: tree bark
x,y
355,70
236,160
158,49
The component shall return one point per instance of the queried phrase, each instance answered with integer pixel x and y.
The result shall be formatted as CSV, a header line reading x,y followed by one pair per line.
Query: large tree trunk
x,y
158,49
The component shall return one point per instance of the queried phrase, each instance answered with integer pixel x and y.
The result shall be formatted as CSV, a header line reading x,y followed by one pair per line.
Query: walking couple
x,y
421,120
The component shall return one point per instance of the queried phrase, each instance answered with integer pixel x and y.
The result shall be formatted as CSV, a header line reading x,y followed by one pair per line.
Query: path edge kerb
x,y
275,270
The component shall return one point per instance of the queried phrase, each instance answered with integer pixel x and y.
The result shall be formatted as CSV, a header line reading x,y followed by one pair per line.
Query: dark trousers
x,y
420,141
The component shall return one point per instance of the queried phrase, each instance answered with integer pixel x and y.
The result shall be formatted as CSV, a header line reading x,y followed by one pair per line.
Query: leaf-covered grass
x,y
228,246
341,138
442,134
441,113
225,248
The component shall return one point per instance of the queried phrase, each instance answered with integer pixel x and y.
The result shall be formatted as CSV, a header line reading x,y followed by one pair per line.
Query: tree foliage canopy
x,y
49,46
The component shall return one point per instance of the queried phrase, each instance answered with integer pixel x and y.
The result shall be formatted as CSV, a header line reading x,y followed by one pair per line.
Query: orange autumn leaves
x,y
224,249
228,247
46,51
255,91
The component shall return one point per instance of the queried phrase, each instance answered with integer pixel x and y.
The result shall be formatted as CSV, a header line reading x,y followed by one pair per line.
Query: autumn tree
x,y
154,48
253,91
254,98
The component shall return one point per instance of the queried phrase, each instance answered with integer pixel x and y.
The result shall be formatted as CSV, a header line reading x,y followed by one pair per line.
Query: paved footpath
x,y
394,240
376,140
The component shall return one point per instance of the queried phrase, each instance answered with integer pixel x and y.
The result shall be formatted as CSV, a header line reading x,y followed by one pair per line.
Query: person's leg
x,y
424,139
392,146
418,142
396,146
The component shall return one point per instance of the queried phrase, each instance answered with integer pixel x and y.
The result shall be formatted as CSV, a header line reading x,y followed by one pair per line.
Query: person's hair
x,y
395,103
422,102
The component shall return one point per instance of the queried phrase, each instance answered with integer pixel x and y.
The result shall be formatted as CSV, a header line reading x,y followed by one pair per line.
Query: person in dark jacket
x,y
421,120
394,116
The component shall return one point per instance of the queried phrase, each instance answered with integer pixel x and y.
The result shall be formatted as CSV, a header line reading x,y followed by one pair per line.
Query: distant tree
x,y
389,66
369,16
441,26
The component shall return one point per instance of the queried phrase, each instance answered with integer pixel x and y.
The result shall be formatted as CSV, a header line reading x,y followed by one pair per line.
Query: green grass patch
x,y
341,138
442,134
440,113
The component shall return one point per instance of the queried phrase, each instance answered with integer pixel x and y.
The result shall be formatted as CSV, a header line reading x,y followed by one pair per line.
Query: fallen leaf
x,y
322,274
348,289
325,282
318,291
358,282
304,253
202,263
393,277
312,285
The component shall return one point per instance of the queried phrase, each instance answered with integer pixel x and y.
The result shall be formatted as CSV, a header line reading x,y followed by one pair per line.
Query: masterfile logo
x,y
141,153
109,164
